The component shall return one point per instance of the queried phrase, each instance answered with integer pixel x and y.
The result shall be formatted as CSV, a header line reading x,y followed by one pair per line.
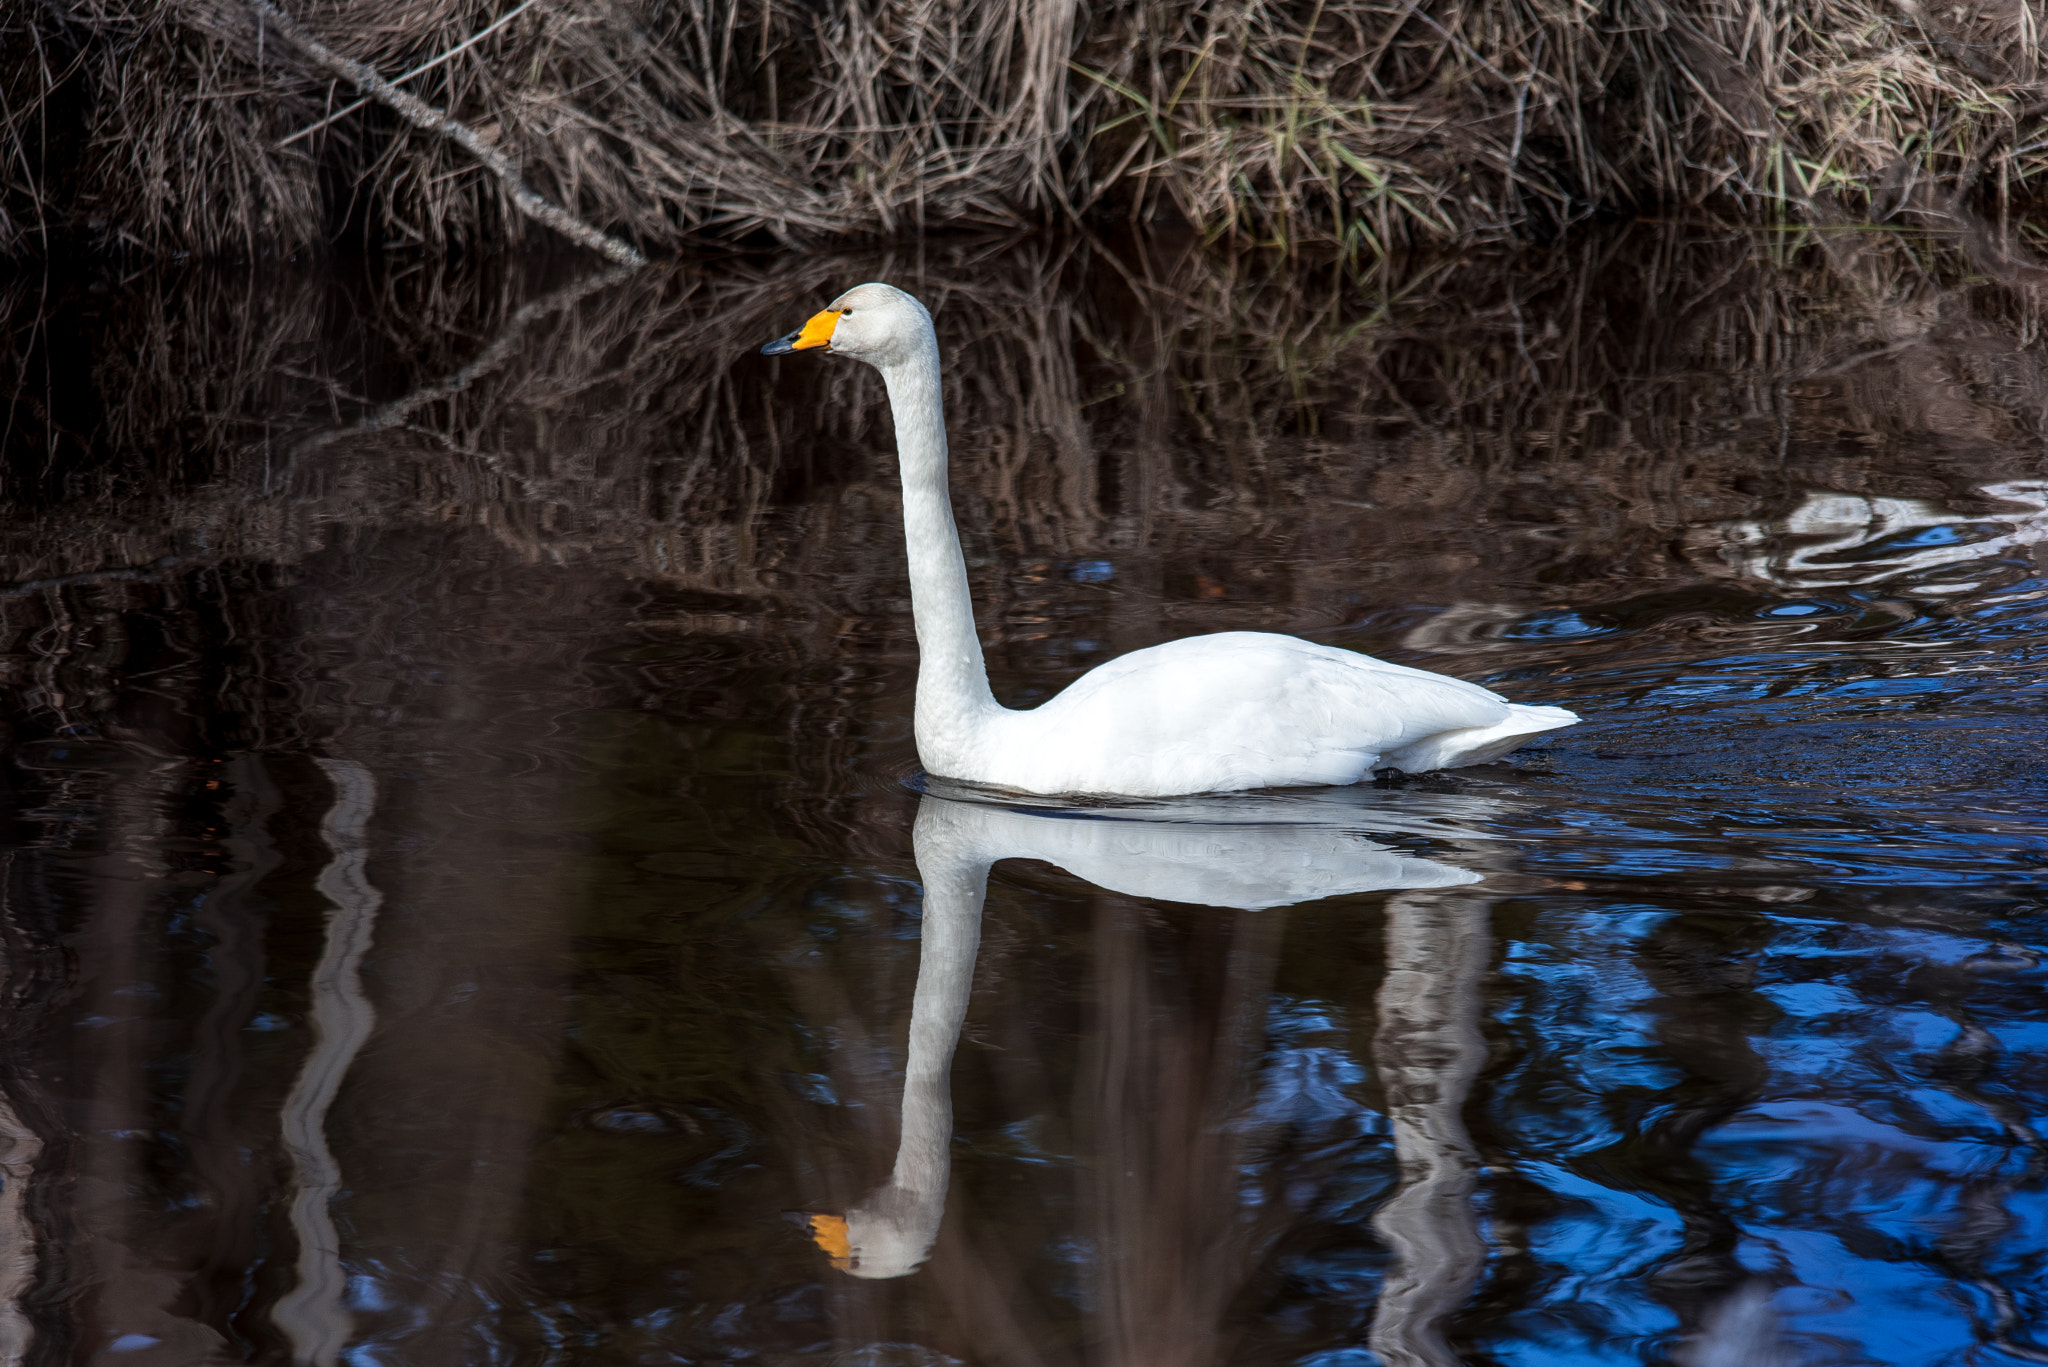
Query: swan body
x,y
1244,709
1222,713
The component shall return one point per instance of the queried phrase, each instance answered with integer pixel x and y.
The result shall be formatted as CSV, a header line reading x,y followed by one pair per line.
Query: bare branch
x,y
423,67
423,115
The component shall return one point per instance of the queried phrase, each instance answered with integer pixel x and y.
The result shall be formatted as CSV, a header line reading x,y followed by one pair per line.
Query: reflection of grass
x,y
1357,123
1115,409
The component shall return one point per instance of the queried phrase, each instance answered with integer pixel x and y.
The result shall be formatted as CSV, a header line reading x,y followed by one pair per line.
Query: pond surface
x,y
469,896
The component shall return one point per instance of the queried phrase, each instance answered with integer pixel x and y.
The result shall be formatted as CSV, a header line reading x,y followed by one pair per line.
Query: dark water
x,y
461,902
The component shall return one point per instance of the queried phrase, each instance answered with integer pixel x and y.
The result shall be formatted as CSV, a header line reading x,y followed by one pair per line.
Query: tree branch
x,y
427,65
423,115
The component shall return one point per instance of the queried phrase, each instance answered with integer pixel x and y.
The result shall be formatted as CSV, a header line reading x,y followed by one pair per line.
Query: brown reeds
x,y
1367,123
172,127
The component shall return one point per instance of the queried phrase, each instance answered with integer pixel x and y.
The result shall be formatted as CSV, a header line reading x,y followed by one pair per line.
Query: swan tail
x,y
1477,744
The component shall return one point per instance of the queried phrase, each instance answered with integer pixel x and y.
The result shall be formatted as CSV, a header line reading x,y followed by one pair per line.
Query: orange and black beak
x,y
812,335
829,1233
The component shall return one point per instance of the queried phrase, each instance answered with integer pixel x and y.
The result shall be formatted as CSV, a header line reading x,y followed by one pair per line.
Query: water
x,y
467,871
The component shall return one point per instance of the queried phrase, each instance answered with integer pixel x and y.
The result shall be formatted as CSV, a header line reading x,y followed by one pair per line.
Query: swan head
x,y
888,1235
876,323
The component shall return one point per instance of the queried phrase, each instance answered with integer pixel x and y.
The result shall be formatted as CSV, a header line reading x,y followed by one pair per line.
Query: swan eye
x,y
846,313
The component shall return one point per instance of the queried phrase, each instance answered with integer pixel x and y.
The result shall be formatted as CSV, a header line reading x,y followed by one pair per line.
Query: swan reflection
x,y
1250,854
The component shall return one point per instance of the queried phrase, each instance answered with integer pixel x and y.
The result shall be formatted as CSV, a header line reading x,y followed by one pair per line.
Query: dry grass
x,y
163,126
1369,123
664,122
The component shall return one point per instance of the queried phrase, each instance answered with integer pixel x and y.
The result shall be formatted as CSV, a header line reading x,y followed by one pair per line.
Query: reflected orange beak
x,y
828,1232
812,335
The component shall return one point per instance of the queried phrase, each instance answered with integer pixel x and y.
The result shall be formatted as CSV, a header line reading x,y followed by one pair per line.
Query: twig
x,y
1463,47
450,54
1522,105
423,115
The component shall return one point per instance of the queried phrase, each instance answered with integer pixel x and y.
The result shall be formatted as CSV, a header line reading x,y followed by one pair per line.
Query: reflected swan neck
x,y
892,1231
955,885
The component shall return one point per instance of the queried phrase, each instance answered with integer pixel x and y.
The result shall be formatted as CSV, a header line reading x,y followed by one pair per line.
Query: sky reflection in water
x,y
469,899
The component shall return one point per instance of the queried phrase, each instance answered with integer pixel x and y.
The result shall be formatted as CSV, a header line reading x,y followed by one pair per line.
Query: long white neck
x,y
953,698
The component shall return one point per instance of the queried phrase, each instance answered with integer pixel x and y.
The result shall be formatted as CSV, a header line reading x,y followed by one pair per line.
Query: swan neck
x,y
955,883
953,696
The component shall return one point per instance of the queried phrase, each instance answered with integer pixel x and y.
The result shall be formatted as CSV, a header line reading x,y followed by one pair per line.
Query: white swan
x,y
1252,854
1221,713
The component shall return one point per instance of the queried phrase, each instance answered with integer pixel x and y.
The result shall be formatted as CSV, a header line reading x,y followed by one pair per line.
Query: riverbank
x,y
191,127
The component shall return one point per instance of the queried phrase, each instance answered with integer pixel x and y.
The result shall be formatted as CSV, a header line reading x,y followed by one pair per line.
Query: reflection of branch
x,y
394,413
313,1314
423,115
1429,1050
27,587
20,1146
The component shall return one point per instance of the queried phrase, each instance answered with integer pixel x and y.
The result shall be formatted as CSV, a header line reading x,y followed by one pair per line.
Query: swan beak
x,y
828,1232
812,335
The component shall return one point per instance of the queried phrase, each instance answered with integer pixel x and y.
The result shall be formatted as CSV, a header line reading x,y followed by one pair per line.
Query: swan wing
x,y
1232,711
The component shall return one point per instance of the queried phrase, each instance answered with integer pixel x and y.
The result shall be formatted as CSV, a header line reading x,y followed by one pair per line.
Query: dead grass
x,y
163,126
1367,123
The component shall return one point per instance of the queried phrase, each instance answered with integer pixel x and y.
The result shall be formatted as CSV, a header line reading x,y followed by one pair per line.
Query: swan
x,y
1249,854
1219,713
